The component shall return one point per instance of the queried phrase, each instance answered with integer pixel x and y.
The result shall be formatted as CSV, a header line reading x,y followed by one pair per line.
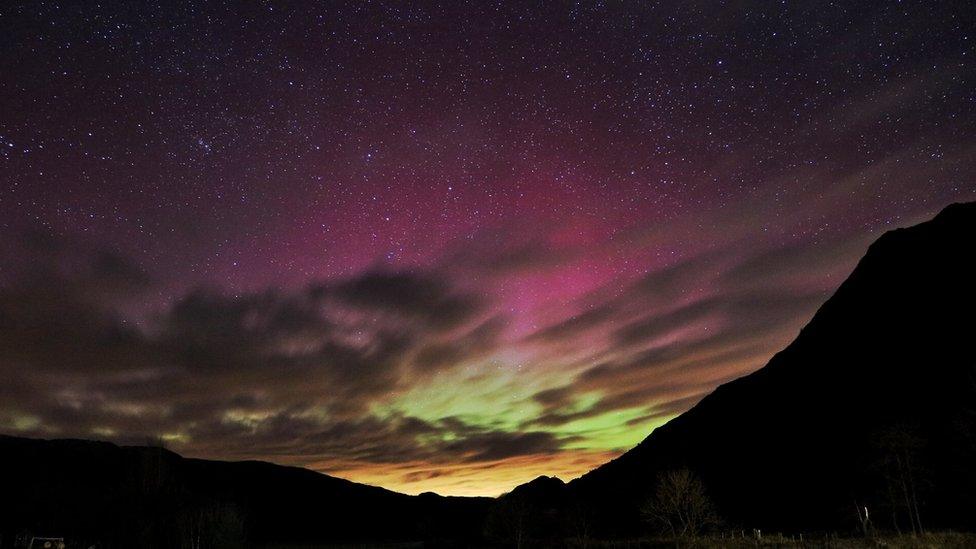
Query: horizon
x,y
444,248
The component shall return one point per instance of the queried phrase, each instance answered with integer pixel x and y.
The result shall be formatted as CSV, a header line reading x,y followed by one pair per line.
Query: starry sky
x,y
445,246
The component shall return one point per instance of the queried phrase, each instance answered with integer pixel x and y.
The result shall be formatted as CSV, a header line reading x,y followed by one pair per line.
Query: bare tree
x,y
901,470
580,519
680,504
508,521
210,526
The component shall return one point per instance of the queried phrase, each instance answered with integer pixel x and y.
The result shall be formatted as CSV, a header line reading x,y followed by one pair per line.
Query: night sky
x,y
445,247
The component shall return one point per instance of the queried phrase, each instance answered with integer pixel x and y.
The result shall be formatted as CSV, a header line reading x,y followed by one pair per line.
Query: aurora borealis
x,y
448,246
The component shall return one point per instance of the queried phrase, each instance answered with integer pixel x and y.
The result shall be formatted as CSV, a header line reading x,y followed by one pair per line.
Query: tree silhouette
x,y
902,472
679,504
508,521
579,519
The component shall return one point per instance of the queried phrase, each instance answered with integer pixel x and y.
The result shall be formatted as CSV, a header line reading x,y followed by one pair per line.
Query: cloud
x,y
574,325
657,289
668,409
275,372
494,446
58,312
470,345
423,297
654,326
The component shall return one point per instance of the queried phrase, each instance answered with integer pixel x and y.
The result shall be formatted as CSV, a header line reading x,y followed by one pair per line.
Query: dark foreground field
x,y
950,540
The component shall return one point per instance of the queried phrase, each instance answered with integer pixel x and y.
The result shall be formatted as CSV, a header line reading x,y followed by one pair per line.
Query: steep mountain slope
x,y
885,371
150,497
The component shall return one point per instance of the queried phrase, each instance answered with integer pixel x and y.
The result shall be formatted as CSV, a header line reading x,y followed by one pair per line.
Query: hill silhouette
x,y
883,377
151,497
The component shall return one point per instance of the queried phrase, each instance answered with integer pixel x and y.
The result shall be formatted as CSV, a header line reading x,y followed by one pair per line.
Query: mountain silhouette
x,y
150,497
883,376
